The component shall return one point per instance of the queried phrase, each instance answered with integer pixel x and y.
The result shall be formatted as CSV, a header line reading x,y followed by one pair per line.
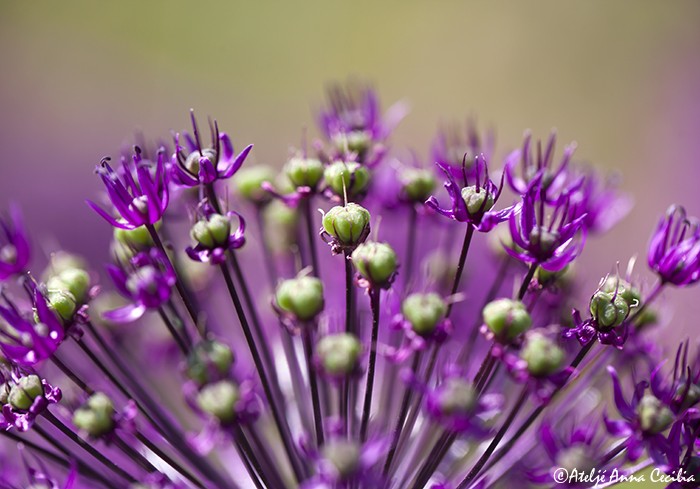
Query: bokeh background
x,y
621,78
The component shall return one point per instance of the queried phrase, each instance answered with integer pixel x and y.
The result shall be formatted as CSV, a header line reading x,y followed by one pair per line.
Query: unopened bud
x,y
96,417
654,416
348,224
339,354
304,172
248,181
424,312
219,400
542,355
507,319
212,232
417,184
349,178
207,358
23,393
376,262
478,200
609,310
302,297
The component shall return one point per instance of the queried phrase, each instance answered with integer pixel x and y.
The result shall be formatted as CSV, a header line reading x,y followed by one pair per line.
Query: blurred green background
x,y
79,77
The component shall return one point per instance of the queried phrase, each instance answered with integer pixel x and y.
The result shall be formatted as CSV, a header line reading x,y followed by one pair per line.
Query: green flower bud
x,y
301,297
138,238
357,142
609,310
192,160
248,181
542,355
23,393
545,277
208,357
376,262
281,225
544,239
654,416
424,312
457,396
96,417
507,319
63,303
631,295
212,232
351,176
417,184
76,281
344,456
477,200
219,400
60,261
339,353
348,224
304,172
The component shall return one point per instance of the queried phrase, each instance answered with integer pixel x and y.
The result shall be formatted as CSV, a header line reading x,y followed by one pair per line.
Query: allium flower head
x,y
674,251
195,164
472,204
14,245
27,396
138,193
214,235
455,149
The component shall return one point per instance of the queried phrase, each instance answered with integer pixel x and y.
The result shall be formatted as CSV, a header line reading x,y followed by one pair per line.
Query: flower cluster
x,y
232,349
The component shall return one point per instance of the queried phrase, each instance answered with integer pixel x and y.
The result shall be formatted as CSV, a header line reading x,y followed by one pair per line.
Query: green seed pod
x,y
348,224
96,417
219,400
457,396
212,232
544,239
281,225
63,303
23,393
424,312
248,181
339,354
304,172
62,260
417,184
477,200
631,295
542,355
654,416
192,160
76,281
138,238
507,319
347,177
357,142
302,297
343,455
546,278
376,262
207,358
609,310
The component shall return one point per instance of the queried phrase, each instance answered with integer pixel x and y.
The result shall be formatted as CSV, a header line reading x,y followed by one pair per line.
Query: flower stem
x,y
181,344
311,235
282,426
410,246
374,294
496,440
526,281
307,339
437,453
460,265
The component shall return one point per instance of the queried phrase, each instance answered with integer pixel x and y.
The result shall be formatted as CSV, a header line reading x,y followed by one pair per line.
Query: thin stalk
x,y
526,281
244,452
184,347
179,285
134,455
496,440
257,360
261,449
460,265
405,405
311,235
316,402
410,246
367,408
438,452
87,447
270,267
145,441
350,326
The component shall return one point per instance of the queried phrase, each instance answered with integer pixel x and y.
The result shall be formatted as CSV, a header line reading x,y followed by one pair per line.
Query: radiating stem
x,y
374,294
280,421
307,339
526,281
460,265
181,344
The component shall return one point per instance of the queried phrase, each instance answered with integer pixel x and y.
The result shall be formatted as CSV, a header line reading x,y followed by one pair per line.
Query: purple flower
x,y
193,164
600,201
214,237
473,203
14,245
551,245
455,404
148,284
576,449
645,419
451,148
26,342
537,170
681,393
674,251
34,395
138,201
